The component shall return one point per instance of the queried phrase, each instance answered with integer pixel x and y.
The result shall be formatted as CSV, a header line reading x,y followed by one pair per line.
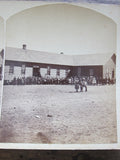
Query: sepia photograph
x,y
59,76
1,58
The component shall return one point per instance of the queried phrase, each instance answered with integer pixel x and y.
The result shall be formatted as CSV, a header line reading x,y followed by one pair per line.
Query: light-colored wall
x,y
17,71
108,68
8,76
62,27
28,72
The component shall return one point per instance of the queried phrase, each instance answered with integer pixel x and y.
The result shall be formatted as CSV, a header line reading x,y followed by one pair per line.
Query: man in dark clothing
x,y
76,84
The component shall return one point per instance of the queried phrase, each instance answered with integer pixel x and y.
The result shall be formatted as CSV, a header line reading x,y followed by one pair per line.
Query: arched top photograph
x,y
60,78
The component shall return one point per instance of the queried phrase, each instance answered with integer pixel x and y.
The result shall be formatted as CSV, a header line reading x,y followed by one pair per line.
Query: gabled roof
x,y
91,59
16,54
21,55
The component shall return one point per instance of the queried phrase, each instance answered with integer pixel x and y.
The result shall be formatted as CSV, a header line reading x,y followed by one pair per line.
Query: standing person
x,y
83,84
94,81
76,84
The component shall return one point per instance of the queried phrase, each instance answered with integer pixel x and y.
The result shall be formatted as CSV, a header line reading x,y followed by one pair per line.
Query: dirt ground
x,y
0,94
57,114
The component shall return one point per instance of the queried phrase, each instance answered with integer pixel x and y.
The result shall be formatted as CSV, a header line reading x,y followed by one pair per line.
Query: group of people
x,y
80,84
35,80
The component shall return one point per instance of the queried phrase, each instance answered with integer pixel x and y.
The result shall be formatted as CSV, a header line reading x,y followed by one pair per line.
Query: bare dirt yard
x,y
0,94
57,114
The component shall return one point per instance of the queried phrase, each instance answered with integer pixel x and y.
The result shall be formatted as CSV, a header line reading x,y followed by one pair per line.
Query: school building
x,y
21,62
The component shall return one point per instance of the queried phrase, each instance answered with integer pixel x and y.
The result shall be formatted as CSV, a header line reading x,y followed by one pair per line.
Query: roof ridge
x,y
93,54
32,50
46,52
60,59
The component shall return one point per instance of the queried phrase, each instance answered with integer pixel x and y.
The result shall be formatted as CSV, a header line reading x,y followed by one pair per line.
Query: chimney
x,y
24,46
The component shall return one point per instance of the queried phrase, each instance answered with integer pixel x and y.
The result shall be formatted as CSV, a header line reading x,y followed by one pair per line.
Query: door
x,y
36,71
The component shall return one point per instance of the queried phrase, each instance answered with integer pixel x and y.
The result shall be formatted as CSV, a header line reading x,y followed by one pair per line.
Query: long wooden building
x,y
25,63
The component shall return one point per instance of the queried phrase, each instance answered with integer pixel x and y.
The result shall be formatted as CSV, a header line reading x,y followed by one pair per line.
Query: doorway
x,y
36,71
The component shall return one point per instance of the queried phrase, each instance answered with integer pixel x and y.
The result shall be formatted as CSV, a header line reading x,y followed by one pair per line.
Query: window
x,y
23,69
53,73
11,69
43,71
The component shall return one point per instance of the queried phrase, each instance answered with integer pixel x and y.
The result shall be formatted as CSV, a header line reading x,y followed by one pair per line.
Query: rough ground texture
x,y
0,94
57,114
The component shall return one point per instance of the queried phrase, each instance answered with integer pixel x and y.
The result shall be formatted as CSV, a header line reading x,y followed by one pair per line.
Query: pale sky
x,y
62,28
